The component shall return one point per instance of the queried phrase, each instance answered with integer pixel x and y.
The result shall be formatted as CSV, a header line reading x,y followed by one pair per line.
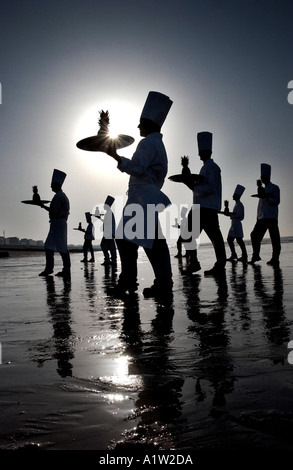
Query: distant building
x,y
20,242
27,241
12,241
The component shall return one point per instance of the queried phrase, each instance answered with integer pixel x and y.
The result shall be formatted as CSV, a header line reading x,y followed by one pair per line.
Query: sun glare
x,y
121,377
113,134
123,116
123,120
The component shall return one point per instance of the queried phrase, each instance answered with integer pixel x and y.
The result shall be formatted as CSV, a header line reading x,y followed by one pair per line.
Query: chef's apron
x,y
140,220
236,229
57,236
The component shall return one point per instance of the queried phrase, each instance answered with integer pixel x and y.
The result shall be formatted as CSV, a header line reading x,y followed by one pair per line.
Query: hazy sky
x,y
226,65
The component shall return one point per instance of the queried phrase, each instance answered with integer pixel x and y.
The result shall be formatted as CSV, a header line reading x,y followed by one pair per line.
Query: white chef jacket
x,y
268,208
109,225
147,169
209,194
58,213
236,217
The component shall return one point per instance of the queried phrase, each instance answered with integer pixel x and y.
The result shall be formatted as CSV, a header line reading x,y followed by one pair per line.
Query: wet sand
x,y
83,371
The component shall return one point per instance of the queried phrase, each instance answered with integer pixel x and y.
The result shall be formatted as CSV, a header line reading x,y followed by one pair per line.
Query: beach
x,y
81,370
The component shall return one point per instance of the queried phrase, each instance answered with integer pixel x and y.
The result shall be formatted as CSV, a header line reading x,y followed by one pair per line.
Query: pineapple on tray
x,y
102,141
186,177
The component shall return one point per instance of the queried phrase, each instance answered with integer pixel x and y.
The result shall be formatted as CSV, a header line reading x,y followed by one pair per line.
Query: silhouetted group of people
x,y
147,170
108,245
207,193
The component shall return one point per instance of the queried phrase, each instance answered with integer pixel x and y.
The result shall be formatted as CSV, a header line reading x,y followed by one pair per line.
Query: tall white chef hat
x,y
58,176
109,201
88,216
239,190
205,140
156,107
265,169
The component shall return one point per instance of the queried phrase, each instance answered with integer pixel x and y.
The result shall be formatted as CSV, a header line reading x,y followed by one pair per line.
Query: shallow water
x,y
81,370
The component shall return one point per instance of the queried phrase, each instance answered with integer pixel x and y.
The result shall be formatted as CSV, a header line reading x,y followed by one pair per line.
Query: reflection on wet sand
x,y
275,323
209,371
213,364
90,285
61,346
238,283
158,404
60,317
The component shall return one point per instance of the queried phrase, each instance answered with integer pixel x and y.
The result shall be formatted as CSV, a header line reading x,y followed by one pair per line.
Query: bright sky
x,y
225,64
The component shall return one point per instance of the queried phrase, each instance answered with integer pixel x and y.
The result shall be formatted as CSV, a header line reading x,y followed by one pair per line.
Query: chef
x,y
57,236
207,192
236,229
267,217
108,244
147,170
88,239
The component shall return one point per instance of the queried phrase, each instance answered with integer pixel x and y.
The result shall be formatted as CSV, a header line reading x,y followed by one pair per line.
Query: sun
x,y
113,134
123,117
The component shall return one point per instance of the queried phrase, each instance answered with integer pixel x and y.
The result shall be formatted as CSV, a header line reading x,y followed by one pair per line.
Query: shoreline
x,y
37,249
78,248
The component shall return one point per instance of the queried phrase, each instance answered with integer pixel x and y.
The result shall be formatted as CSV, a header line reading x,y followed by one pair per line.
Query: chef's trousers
x,y
159,257
50,261
209,222
257,234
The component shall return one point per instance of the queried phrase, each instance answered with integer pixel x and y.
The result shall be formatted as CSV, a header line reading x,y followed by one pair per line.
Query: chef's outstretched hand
x,y
111,150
